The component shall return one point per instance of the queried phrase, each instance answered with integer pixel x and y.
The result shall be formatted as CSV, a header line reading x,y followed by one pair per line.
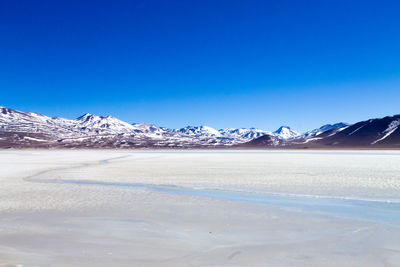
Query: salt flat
x,y
199,208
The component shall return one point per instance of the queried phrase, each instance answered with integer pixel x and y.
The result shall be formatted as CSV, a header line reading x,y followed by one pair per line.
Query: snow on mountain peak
x,y
286,133
199,131
149,129
324,128
243,134
103,122
87,117
8,111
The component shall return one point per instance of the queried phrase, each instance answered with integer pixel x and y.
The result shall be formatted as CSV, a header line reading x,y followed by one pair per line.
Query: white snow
x,y
339,130
389,130
286,133
243,134
322,129
34,139
199,131
108,122
311,139
358,129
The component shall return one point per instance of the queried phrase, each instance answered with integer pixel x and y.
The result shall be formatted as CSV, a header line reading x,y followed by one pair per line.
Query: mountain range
x,y
32,130
373,133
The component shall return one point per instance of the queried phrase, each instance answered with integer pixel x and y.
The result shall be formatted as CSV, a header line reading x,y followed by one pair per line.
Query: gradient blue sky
x,y
218,63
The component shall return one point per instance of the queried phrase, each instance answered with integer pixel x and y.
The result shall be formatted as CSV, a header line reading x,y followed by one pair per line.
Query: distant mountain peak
x,y
324,128
286,133
88,116
282,128
243,134
199,130
109,123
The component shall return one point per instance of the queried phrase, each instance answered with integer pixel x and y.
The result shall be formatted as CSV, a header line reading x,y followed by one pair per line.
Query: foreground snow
x,y
182,208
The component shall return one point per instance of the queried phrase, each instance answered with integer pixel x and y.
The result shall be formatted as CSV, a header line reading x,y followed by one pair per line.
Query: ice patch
x,y
34,139
372,209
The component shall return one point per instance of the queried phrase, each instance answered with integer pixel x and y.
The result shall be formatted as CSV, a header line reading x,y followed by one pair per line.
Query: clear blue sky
x,y
219,63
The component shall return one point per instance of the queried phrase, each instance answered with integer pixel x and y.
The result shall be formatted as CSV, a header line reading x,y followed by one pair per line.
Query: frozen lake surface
x,y
200,208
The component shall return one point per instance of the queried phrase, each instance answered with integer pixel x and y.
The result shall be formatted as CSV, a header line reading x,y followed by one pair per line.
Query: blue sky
x,y
218,63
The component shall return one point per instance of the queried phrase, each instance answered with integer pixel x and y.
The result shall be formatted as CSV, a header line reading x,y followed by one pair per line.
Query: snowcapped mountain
x,y
380,132
16,121
205,131
149,129
286,133
322,129
92,122
28,129
242,134
373,133
235,134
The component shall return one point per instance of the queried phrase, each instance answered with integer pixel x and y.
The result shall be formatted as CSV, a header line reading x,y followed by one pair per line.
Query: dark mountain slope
x,y
373,133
